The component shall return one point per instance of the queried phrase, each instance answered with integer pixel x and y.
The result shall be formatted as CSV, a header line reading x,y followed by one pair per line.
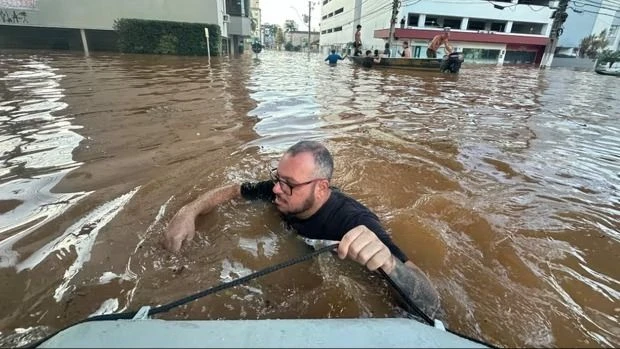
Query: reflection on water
x,y
37,141
500,183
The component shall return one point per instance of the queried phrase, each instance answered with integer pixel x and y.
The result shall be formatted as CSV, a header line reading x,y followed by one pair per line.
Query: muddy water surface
x,y
501,183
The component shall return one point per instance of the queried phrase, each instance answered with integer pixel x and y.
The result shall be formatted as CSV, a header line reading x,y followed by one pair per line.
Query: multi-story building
x,y
76,23
256,25
590,18
497,32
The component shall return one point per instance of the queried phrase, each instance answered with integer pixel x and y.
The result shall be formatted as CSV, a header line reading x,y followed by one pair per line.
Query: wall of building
x,y
96,14
536,16
299,38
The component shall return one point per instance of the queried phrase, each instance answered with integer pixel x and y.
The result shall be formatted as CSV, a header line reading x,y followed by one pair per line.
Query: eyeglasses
x,y
287,187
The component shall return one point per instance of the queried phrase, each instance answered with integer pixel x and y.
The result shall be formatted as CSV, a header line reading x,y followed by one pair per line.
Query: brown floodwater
x,y
502,183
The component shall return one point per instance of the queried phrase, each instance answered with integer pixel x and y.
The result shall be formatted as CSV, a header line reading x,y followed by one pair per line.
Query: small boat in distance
x,y
614,70
449,64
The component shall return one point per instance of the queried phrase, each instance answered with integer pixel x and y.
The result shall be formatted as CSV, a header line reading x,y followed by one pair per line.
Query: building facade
x,y
339,20
256,25
590,18
95,19
498,32
300,38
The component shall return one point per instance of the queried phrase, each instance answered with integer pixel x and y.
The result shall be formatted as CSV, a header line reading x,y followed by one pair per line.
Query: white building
x,y
255,17
33,21
339,19
591,18
498,32
300,38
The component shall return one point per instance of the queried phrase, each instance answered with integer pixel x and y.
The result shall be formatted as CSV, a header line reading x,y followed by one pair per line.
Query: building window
x,y
329,30
454,23
480,55
498,27
325,2
431,22
475,25
527,28
325,17
331,14
520,57
323,31
339,11
337,29
412,19
233,7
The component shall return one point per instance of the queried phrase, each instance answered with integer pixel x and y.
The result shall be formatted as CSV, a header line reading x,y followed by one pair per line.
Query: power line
x,y
600,4
596,13
602,7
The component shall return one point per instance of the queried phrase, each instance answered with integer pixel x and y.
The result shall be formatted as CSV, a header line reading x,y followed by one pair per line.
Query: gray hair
x,y
322,158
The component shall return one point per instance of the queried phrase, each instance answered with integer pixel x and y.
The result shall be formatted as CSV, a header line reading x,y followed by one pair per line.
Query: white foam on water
x,y
107,307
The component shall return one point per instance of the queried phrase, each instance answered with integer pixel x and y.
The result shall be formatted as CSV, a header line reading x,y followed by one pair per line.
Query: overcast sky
x,y
277,11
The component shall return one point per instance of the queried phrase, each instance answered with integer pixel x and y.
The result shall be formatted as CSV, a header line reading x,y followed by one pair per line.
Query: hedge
x,y
166,37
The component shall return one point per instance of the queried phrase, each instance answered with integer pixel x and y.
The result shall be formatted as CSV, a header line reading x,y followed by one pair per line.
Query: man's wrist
x,y
391,265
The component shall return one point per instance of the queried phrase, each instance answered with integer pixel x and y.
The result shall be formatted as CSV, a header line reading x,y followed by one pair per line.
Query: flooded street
x,y
502,184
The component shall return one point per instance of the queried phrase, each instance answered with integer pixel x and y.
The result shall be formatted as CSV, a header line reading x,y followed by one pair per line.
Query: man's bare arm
x,y
182,226
416,286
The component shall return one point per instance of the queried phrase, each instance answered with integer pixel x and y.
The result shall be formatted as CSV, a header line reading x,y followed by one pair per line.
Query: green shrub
x,y
165,37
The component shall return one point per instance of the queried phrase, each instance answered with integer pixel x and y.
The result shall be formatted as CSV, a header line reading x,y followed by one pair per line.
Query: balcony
x,y
240,26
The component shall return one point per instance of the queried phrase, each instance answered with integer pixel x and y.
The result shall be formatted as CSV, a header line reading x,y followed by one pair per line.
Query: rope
x,y
167,307
195,296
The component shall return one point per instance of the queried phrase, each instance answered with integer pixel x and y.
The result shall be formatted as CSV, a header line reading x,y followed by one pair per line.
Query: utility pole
x,y
309,21
395,6
559,17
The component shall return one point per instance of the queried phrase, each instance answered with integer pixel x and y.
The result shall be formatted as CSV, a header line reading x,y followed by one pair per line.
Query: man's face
x,y
296,185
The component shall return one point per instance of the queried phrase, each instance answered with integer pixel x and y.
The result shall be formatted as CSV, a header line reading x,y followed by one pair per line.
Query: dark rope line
x,y
407,300
195,296
167,307
420,313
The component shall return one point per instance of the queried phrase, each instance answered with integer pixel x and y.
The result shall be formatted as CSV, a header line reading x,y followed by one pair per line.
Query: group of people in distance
x,y
371,58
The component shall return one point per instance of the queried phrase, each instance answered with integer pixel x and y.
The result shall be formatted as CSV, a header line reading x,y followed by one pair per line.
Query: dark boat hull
x,y
422,64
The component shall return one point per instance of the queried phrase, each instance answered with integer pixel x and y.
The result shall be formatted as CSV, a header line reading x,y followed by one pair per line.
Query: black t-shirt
x,y
336,217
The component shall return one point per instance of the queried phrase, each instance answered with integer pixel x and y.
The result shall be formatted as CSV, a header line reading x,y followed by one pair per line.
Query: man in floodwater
x,y
300,189
333,58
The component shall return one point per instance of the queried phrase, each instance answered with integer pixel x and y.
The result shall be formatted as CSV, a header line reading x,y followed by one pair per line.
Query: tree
x,y
609,56
279,38
592,44
290,26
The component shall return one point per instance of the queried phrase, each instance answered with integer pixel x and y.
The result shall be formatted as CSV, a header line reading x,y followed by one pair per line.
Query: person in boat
x,y
333,58
438,40
376,57
406,51
358,41
300,188
369,60
386,51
